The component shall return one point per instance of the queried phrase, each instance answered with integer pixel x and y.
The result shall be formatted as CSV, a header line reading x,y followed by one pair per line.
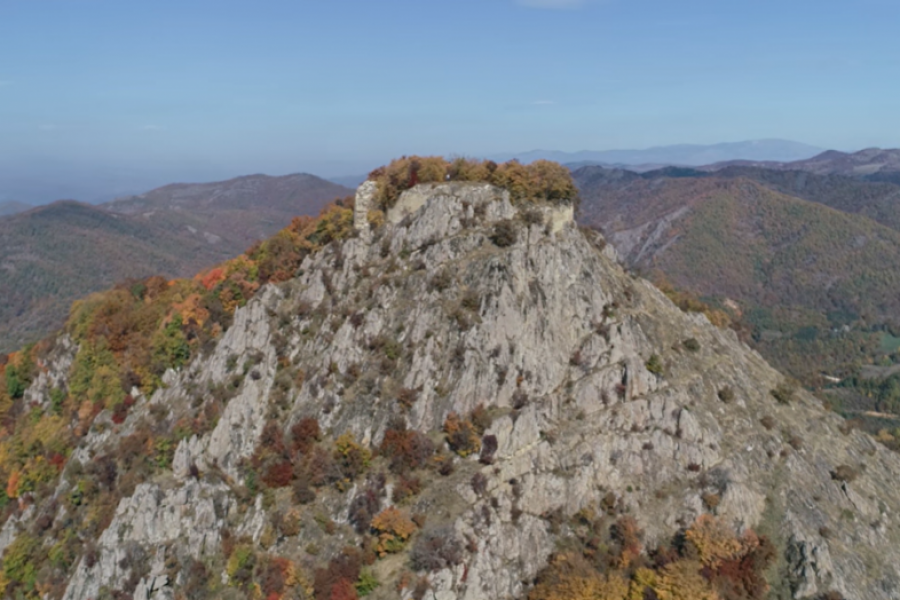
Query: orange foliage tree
x,y
393,528
712,564
541,180
462,436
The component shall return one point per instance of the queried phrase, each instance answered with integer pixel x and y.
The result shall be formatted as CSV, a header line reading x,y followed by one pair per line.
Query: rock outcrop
x,y
597,385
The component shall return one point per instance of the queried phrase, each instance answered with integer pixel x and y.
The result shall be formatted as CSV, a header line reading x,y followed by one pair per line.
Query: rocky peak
x,y
478,196
591,385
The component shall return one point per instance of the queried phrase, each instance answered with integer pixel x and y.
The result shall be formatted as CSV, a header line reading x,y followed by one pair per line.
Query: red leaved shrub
x,y
407,449
279,474
305,433
342,571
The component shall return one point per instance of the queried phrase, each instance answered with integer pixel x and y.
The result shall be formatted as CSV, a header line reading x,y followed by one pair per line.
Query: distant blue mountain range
x,y
681,154
38,181
693,155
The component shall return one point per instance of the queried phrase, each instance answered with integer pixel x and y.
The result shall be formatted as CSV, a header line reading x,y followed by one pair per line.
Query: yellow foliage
x,y
7,456
541,180
36,470
512,176
255,591
346,445
375,218
552,179
642,579
461,435
596,587
470,170
714,540
291,578
432,169
51,431
698,572
334,223
191,308
393,528
681,580
884,436
573,579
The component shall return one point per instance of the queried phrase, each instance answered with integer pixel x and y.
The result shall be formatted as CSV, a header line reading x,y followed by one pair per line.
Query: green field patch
x,y
889,343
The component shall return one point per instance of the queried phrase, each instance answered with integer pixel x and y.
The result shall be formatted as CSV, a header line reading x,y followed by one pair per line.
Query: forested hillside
x,y
806,266
55,254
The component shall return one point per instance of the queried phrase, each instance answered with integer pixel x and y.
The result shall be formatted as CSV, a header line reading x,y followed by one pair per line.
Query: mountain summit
x,y
462,396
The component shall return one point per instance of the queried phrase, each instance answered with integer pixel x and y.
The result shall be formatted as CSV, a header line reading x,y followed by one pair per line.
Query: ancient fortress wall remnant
x,y
365,201
473,194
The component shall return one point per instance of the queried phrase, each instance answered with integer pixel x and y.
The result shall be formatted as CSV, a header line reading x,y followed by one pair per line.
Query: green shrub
x,y
691,344
784,393
240,564
366,583
20,562
352,458
15,387
57,397
654,365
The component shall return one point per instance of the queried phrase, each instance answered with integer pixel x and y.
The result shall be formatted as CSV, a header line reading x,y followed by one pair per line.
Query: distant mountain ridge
x,y
240,210
53,254
874,164
56,253
680,154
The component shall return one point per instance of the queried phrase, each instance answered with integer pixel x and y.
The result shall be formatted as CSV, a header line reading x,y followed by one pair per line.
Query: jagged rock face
x,y
550,332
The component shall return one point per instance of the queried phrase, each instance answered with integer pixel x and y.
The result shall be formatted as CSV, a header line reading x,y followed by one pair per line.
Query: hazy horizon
x,y
37,181
140,94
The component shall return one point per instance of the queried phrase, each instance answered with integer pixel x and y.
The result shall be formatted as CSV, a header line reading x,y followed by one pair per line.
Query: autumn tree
x,y
393,529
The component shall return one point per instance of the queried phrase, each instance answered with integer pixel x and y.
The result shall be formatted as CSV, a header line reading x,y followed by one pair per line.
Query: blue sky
x,y
285,85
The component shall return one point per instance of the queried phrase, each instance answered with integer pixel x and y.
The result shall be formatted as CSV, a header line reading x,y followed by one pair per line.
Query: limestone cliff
x,y
597,385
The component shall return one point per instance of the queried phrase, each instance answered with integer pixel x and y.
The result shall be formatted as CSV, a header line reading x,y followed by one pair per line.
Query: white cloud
x,y
553,4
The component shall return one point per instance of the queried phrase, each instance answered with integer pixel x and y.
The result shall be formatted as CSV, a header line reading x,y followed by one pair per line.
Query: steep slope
x,y
57,253
879,201
598,395
796,272
239,211
875,200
